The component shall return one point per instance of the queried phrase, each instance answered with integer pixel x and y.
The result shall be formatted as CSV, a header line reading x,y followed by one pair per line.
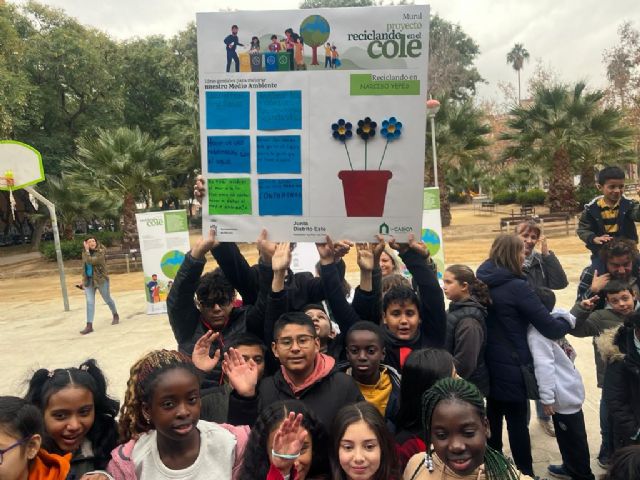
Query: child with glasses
x,y
305,374
21,433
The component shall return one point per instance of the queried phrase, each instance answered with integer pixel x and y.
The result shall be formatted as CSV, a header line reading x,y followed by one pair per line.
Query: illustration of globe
x,y
170,263
432,240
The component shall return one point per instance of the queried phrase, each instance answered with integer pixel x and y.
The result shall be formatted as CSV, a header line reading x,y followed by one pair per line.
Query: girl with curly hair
x,y
160,417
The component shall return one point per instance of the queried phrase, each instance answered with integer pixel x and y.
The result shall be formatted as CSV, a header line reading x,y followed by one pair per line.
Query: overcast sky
x,y
568,35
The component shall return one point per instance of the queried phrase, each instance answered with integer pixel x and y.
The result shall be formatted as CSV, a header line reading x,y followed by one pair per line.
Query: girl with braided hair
x,y
456,429
79,416
160,417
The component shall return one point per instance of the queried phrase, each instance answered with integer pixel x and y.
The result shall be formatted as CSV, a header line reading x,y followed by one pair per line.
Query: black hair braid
x,y
496,465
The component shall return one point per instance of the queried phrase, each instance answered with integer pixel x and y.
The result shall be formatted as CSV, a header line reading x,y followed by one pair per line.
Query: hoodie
x,y
49,466
621,390
514,307
466,340
324,394
559,382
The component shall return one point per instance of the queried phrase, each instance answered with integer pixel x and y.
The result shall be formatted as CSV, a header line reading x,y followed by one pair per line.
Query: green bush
x,y
504,197
585,195
71,249
455,197
535,196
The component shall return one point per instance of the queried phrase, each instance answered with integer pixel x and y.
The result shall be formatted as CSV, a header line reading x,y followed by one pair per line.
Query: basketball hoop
x,y
8,182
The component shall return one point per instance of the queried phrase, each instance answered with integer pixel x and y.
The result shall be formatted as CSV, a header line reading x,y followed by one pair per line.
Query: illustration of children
x,y
154,289
290,44
299,54
335,57
231,41
255,45
274,46
327,55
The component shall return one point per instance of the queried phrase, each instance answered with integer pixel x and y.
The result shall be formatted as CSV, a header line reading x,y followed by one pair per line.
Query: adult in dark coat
x,y
514,307
620,348
543,268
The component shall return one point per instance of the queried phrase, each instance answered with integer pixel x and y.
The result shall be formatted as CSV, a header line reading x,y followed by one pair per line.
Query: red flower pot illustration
x,y
364,191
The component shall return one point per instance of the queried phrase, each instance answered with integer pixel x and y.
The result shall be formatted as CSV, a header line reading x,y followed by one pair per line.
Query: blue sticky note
x,y
280,197
278,154
281,110
227,110
229,154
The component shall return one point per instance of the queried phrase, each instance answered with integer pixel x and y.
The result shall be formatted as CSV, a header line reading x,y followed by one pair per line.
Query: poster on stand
x,y
313,122
164,241
432,228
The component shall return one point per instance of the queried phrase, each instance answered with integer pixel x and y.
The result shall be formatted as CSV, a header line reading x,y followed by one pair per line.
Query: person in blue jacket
x,y
514,307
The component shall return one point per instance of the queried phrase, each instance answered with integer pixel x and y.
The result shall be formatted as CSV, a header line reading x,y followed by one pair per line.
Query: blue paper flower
x,y
391,129
366,128
342,130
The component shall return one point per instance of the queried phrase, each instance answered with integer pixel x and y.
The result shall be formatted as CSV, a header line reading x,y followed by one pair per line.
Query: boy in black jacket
x,y
610,215
197,304
305,374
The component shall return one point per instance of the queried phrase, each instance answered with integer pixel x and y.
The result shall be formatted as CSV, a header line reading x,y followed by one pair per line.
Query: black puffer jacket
x,y
621,384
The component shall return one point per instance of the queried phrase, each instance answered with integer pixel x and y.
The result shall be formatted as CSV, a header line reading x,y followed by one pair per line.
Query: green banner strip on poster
x,y
364,84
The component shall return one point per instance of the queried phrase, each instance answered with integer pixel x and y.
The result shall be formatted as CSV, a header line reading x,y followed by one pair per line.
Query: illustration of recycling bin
x,y
284,61
245,62
271,61
256,61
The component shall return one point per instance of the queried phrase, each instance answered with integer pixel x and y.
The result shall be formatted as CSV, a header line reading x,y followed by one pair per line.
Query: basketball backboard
x,y
22,162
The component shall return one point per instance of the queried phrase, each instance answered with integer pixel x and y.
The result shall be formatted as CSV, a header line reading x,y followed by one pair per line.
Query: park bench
x,y
529,210
545,220
130,258
484,208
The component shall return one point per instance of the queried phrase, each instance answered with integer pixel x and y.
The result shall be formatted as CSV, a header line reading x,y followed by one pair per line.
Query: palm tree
x,y
460,136
560,129
123,164
516,58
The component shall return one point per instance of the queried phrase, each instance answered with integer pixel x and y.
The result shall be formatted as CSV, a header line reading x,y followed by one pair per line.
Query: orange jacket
x,y
49,466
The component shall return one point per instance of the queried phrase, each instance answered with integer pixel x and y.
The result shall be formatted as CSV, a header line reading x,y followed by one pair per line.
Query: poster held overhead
x,y
333,147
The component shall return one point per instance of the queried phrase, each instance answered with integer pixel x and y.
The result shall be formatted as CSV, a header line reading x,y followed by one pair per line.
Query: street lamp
x,y
432,109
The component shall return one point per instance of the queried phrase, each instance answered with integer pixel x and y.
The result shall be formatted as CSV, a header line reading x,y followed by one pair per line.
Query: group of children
x,y
308,379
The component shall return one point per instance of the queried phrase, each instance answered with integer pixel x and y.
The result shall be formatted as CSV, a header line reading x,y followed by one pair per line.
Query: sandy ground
x,y
37,332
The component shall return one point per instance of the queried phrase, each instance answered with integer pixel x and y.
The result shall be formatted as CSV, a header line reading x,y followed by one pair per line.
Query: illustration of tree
x,y
315,31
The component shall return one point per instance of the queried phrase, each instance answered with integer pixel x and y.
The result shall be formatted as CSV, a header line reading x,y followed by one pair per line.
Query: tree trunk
x,y
129,228
561,197
519,98
587,176
314,55
67,231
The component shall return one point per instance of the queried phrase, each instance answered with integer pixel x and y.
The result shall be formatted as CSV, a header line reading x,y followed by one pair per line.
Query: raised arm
x,y
556,277
433,314
182,312
277,299
344,315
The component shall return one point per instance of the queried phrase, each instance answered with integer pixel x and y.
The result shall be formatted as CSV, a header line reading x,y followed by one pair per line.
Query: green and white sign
x,y
432,227
164,241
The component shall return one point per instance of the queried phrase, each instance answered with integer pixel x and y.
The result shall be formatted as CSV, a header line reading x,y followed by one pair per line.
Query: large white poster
x,y
313,122
164,241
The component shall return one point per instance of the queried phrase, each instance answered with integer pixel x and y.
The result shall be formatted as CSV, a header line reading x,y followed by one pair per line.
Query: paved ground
x,y
36,332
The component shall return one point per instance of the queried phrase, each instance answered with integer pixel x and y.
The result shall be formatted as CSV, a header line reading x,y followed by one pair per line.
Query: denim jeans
x,y
90,294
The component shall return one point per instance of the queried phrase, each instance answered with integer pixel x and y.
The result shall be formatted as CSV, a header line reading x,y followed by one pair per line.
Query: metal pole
x,y
433,147
56,241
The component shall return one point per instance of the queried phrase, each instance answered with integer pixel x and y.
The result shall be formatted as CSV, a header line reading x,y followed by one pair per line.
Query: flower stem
x,y
365,154
383,153
348,156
